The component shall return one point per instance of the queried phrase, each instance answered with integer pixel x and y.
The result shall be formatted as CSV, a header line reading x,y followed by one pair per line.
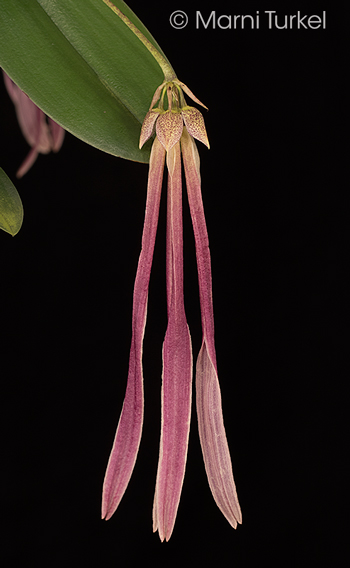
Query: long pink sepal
x,y
212,434
177,368
127,439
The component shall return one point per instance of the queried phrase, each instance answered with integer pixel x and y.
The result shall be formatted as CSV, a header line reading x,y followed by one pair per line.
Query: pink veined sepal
x,y
212,433
127,439
177,368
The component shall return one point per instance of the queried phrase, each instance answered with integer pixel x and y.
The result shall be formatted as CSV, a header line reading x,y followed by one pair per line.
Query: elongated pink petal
x,y
209,411
35,130
189,93
32,122
127,439
156,95
40,135
57,135
177,368
216,453
27,163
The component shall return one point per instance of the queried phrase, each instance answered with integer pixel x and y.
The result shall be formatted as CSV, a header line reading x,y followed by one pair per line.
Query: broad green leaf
x,y
11,209
83,67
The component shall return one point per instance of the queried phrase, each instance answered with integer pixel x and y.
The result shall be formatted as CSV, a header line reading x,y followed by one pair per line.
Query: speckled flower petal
x,y
169,128
147,127
194,123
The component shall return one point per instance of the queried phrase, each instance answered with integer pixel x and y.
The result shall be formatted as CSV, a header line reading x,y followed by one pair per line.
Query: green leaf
x,y
83,67
11,209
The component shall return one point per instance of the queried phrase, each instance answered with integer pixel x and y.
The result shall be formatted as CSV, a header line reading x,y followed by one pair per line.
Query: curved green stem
x,y
169,74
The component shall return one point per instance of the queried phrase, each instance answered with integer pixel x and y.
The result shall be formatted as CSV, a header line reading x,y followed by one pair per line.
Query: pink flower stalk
x,y
175,127
42,136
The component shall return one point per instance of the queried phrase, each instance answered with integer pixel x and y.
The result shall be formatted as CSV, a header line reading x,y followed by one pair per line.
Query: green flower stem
x,y
169,74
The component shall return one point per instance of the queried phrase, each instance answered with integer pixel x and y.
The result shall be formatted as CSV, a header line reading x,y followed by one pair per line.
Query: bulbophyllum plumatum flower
x,y
43,136
176,125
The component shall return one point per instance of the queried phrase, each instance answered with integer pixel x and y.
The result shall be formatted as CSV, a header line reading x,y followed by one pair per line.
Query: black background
x,y
277,211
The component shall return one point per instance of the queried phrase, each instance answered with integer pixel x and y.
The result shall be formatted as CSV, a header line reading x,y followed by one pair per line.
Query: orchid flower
x,y
176,125
42,136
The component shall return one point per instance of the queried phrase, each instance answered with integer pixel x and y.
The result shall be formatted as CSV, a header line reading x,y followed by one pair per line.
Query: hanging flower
x,y
43,136
176,125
